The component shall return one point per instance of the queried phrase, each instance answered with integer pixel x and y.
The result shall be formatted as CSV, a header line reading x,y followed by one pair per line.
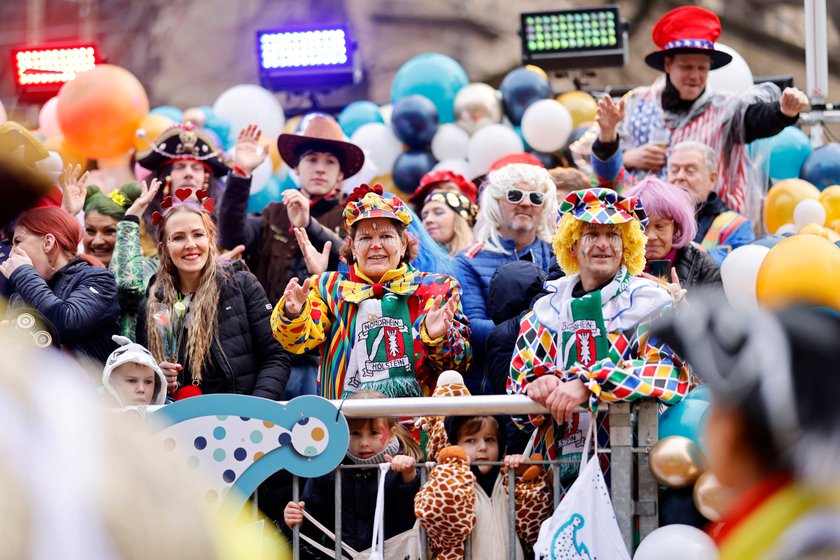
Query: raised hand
x,y
73,188
248,154
439,317
674,288
793,102
608,116
316,261
147,194
295,296
297,205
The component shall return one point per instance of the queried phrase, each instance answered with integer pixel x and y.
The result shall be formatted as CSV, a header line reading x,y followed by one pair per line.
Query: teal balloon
x,y
219,125
173,113
700,393
687,418
790,148
357,114
822,168
271,193
432,75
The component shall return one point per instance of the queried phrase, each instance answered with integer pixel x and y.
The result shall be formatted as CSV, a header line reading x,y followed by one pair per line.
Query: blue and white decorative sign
x,y
238,441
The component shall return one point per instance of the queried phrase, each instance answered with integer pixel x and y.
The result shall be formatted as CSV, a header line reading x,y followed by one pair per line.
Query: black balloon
x,y
676,506
577,132
549,161
521,88
410,168
415,121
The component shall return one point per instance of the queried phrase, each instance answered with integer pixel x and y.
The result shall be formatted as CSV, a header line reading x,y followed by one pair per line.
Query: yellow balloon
x,y
814,229
581,105
711,498
68,153
830,200
273,153
801,268
291,124
783,198
150,128
676,462
388,185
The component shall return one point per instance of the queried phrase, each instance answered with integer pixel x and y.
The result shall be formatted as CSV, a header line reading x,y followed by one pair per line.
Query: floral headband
x,y
182,195
459,203
367,202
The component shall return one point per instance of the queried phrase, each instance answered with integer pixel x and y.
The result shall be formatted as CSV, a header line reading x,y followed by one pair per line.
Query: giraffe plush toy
x,y
449,384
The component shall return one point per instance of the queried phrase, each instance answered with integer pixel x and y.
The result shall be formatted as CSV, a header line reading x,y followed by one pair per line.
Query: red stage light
x,y
43,70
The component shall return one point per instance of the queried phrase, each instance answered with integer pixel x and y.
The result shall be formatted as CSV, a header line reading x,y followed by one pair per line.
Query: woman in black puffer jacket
x,y
669,233
225,345
75,294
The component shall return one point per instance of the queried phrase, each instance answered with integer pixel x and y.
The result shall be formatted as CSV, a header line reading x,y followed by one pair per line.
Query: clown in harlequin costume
x,y
588,339
383,326
682,106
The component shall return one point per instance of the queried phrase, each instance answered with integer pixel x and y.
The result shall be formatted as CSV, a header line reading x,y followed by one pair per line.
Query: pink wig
x,y
664,200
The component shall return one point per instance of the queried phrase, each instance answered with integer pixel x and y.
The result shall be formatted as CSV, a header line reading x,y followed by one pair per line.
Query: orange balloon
x,y
801,268
830,200
580,104
387,183
68,153
150,128
783,198
100,110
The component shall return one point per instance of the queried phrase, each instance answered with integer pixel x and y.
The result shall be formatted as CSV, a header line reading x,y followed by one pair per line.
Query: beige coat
x,y
491,534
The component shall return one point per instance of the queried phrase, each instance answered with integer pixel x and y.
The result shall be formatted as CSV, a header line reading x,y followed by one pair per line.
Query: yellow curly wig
x,y
568,233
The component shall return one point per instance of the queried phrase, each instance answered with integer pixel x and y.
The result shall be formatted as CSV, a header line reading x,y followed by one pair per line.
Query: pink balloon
x,y
141,172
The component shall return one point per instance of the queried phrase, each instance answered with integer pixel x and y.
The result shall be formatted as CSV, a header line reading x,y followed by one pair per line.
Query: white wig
x,y
497,184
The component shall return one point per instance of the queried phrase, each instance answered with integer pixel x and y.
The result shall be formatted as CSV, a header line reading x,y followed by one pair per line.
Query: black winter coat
x,y
80,301
696,268
245,357
358,504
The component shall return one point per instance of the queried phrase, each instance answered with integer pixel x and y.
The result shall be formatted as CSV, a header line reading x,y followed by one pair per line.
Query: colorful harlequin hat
x,y
366,202
687,30
603,206
184,142
322,133
432,178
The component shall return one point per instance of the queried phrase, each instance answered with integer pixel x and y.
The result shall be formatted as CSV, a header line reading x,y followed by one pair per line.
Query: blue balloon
x,y
435,76
822,168
768,241
521,88
357,114
415,121
410,168
687,418
549,161
701,393
218,125
676,506
789,150
173,113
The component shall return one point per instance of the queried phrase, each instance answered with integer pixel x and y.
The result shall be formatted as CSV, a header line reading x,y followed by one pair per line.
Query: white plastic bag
x,y
583,527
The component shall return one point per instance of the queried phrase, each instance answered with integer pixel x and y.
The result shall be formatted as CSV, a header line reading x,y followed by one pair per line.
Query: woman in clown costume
x,y
383,326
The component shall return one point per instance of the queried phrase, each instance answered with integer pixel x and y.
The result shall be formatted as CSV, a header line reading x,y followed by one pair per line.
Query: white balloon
x,y
261,176
380,143
787,229
450,142
546,125
459,166
48,118
488,144
386,111
735,76
52,165
368,171
3,117
739,273
250,104
663,544
808,211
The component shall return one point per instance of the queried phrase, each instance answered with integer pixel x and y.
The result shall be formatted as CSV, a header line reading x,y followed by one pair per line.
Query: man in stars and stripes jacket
x,y
589,339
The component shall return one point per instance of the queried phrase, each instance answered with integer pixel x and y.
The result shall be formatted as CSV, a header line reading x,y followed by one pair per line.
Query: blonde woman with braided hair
x,y
205,321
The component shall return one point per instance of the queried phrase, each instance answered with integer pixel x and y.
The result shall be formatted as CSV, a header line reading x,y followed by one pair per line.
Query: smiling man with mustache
x,y
588,339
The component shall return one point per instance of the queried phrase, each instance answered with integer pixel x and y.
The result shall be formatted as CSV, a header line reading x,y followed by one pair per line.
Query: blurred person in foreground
x,y
773,433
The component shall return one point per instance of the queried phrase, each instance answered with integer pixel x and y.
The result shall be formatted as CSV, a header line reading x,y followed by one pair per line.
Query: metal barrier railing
x,y
633,430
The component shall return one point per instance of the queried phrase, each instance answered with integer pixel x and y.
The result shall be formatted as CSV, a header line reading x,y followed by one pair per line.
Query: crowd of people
x,y
545,282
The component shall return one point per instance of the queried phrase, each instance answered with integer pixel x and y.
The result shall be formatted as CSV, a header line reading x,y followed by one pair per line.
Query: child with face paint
x,y
372,441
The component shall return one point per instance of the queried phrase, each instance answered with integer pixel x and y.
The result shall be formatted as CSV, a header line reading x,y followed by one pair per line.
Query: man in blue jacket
x,y
515,222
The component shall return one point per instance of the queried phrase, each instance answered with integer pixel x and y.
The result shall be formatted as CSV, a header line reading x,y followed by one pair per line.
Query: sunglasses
x,y
514,196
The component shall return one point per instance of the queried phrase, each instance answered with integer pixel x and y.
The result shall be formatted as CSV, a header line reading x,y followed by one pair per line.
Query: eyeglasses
x,y
514,196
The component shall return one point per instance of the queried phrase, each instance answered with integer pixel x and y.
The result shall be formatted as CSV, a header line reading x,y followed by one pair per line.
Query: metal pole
x,y
35,21
511,482
338,553
621,469
816,50
424,538
647,507
296,528
514,405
